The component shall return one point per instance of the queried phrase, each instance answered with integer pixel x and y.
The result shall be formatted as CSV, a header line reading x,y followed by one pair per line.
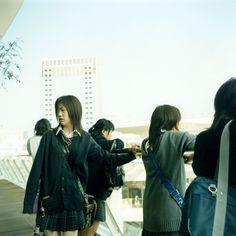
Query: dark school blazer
x,y
58,182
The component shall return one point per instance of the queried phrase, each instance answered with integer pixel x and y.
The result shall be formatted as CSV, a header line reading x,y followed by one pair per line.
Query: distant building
x,y
74,76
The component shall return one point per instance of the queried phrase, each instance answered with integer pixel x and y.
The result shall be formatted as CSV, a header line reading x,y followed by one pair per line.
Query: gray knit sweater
x,y
160,211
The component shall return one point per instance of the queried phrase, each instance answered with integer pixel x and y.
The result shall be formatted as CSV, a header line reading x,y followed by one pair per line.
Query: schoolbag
x,y
114,177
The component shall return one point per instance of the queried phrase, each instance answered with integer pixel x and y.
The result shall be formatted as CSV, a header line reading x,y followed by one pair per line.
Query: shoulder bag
x,y
210,204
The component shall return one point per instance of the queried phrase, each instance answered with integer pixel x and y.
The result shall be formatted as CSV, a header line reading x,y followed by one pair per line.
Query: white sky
x,y
150,53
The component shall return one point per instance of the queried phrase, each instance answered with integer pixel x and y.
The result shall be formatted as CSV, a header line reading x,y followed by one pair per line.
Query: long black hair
x,y
164,117
225,103
100,125
42,126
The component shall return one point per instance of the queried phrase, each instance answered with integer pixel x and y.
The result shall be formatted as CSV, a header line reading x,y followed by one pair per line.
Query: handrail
x,y
16,169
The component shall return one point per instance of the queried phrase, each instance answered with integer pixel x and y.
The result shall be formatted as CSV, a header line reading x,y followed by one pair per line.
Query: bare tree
x,y
9,61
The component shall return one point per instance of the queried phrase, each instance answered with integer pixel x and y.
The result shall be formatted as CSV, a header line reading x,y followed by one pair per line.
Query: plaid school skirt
x,y
63,221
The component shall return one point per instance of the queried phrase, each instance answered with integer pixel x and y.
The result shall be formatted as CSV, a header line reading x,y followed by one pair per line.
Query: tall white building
x,y
73,76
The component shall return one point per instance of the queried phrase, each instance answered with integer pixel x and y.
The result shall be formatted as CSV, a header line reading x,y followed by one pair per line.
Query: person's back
x,y
161,214
33,144
170,159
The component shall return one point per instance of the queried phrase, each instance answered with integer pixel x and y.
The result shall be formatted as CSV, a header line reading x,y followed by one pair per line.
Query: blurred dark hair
x,y
74,109
225,103
164,117
100,125
42,126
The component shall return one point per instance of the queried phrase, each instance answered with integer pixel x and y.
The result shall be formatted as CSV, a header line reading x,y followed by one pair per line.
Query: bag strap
x,y
164,180
222,183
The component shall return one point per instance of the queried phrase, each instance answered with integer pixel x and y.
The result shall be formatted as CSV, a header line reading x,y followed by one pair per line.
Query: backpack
x,y
114,177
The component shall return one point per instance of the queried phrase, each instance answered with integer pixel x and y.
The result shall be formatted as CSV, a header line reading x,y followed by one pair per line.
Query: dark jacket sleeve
x,y
109,145
98,154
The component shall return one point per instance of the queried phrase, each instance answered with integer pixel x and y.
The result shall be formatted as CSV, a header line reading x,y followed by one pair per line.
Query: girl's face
x,y
63,116
107,134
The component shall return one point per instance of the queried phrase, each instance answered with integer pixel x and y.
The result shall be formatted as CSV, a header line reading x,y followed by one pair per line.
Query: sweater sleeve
x,y
185,141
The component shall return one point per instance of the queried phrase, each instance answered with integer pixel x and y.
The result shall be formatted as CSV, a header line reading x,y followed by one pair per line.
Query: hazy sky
x,y
149,53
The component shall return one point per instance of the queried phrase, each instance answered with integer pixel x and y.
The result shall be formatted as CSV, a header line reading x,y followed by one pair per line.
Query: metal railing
x,y
16,169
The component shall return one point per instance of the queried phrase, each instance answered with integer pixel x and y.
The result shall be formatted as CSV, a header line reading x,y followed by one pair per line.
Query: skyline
x,y
149,53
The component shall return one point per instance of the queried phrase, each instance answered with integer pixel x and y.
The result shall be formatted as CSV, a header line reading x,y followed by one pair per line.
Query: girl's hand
x,y
135,148
188,157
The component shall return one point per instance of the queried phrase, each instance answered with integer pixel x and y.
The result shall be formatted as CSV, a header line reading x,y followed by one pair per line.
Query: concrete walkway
x,y
12,221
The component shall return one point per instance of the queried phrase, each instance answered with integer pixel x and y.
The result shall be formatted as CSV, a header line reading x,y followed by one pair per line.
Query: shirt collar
x,y
72,134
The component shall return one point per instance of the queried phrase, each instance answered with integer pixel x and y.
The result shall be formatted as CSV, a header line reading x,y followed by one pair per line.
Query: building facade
x,y
74,76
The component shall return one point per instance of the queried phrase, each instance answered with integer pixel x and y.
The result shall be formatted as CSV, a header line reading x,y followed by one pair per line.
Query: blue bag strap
x,y
165,181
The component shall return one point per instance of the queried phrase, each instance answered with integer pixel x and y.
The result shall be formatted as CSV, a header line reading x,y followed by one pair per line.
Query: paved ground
x,y
12,221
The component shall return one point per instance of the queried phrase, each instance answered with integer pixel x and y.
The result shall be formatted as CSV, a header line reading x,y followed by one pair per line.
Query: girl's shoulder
x,y
179,136
177,133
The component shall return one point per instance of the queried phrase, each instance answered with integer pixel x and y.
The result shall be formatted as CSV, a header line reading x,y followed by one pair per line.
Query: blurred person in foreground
x,y
206,152
161,214
208,142
60,164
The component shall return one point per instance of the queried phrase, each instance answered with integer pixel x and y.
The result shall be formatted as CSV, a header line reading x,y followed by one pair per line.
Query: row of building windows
x,y
89,60
87,71
66,72
88,82
88,118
